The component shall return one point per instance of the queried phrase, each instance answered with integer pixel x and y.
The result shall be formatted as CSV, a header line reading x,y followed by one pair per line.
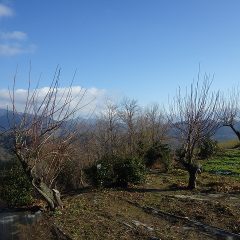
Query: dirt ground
x,y
159,209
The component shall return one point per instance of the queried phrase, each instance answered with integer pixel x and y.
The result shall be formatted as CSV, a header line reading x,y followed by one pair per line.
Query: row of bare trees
x,y
121,128
48,137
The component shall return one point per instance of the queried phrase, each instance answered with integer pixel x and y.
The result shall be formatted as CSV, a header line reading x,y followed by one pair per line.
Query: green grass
x,y
226,162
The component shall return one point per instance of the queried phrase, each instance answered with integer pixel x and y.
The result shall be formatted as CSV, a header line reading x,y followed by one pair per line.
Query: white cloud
x,y
5,11
13,42
12,49
15,35
9,50
92,100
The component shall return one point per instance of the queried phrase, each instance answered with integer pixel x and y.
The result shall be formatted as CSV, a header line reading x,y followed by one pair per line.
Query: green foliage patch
x,y
226,162
158,153
117,171
16,188
207,148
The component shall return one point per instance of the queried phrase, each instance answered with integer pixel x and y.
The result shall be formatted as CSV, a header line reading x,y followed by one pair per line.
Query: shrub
x,y
129,170
101,173
207,148
116,171
17,188
158,153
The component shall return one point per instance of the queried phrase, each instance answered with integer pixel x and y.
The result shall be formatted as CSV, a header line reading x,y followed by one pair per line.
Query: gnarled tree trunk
x,y
193,171
51,196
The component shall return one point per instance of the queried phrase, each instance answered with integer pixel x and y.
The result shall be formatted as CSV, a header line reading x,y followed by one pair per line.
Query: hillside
x,y
159,209
226,133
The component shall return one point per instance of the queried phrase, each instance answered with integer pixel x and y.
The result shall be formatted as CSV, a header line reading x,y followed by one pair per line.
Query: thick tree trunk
x,y
192,180
193,170
51,196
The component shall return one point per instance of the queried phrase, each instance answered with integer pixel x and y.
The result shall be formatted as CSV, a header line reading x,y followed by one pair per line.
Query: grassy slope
x,y
226,162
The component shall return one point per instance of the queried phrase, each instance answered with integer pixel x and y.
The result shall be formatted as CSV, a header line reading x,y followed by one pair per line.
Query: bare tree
x,y
128,114
43,135
151,127
107,129
156,123
195,117
231,111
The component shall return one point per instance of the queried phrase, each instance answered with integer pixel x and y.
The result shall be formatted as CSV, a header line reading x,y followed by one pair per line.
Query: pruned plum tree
x,y
194,115
43,134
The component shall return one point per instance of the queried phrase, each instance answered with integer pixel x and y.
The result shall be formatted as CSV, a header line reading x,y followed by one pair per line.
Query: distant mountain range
x,y
223,134
226,133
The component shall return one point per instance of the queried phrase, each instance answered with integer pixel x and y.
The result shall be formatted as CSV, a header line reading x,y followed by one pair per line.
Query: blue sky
x,y
143,49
